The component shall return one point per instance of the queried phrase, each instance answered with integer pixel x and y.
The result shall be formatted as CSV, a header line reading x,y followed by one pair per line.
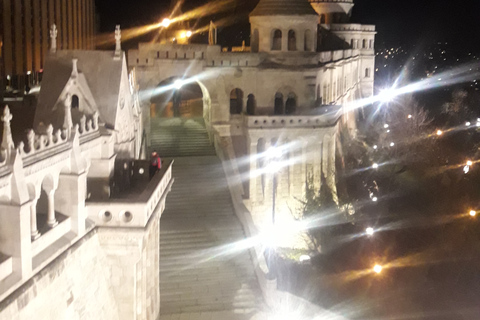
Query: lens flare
x,y
472,213
377,269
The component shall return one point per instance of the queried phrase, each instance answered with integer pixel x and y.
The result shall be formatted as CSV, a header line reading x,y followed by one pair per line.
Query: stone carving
x,y
118,43
53,38
7,140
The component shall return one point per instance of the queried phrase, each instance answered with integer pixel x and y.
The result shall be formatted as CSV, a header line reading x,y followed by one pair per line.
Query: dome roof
x,y
283,7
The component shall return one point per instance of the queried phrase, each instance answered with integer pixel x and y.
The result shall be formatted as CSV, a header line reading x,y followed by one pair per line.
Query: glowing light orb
x,y
178,84
409,116
183,35
388,131
375,165
369,231
304,258
165,23
469,162
377,269
467,124
189,34
439,132
387,95
385,125
375,147
472,213
374,199
392,144
478,123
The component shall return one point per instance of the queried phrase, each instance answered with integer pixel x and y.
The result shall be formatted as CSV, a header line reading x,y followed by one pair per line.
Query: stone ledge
x,y
6,267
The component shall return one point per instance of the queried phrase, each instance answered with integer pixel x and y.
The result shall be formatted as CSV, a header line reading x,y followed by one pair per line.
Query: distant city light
x,y
374,199
469,163
375,165
304,258
369,231
377,269
385,125
467,124
472,213
409,116
189,34
466,169
386,95
375,147
439,132
392,144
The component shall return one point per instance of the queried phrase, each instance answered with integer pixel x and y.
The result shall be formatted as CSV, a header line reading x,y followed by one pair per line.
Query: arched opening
x,y
367,73
175,97
255,40
292,40
308,40
278,108
277,40
236,101
75,102
251,104
291,103
364,46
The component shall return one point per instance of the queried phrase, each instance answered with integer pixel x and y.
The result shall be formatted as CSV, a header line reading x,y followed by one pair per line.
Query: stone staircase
x,y
204,274
180,137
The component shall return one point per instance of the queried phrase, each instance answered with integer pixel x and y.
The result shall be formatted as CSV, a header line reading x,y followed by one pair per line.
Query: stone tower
x,y
283,25
333,11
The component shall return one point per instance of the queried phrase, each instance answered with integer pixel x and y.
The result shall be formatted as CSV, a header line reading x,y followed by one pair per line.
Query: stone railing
x,y
134,210
328,116
352,27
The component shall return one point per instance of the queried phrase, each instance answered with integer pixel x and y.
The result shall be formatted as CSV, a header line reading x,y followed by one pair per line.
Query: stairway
x,y
180,137
203,274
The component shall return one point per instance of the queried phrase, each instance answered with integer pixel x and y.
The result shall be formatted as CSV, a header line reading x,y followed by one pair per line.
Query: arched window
x,y
291,104
236,101
278,109
75,102
322,19
292,41
277,40
367,73
308,40
251,104
255,40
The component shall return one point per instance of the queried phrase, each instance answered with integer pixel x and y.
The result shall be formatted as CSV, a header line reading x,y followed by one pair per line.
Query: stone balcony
x,y
131,197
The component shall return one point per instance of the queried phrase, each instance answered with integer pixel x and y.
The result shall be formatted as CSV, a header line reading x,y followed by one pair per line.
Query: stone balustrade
x,y
329,115
133,210
352,27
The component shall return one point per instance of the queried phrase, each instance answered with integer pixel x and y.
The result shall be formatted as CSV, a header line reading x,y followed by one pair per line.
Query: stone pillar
x,y
51,221
253,170
284,40
33,221
70,199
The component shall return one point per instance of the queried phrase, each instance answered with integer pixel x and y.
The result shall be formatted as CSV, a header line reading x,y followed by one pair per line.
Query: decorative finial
x,y
7,140
53,38
74,69
118,42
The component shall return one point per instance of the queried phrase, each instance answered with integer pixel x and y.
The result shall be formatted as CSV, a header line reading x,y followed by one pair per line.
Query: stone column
x,y
284,40
33,221
253,170
51,221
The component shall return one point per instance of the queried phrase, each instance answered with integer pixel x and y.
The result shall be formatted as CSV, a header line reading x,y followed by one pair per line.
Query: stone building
x,y
290,89
79,213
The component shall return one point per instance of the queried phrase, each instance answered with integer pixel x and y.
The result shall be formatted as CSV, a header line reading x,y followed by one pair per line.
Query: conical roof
x,y
283,7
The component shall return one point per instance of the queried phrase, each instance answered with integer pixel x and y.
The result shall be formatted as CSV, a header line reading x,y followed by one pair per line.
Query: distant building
x,y
24,34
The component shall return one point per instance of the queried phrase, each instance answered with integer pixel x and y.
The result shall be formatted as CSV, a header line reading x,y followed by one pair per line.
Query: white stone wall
x,y
76,285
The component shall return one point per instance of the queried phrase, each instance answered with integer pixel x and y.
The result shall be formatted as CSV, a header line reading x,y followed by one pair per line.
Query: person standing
x,y
155,163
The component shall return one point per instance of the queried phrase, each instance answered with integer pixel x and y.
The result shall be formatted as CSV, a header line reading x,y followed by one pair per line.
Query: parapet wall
x,y
76,285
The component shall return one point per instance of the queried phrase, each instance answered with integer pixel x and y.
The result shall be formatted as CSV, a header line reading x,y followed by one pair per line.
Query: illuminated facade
x,y
24,34
289,88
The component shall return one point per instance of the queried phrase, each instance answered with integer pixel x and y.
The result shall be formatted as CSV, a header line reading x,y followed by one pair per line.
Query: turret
x,y
283,25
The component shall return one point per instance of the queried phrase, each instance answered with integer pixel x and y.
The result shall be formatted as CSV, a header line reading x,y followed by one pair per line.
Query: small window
x,y
75,102
367,73
292,41
277,40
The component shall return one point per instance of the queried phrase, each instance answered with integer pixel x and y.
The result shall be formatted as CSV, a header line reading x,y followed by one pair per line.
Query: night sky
x,y
405,22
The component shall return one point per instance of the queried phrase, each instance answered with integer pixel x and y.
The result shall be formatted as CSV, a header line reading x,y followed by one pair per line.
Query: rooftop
x,y
283,7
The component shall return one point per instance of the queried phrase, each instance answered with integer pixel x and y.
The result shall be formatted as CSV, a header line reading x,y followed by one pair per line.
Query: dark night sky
x,y
405,22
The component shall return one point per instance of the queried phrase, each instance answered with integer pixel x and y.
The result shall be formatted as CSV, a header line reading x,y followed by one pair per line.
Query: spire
x,y
53,38
74,69
7,140
118,43
67,120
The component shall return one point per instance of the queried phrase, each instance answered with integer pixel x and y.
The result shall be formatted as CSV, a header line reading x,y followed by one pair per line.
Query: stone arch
x,y
255,40
292,40
291,103
46,186
278,106
236,101
251,104
308,41
276,40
